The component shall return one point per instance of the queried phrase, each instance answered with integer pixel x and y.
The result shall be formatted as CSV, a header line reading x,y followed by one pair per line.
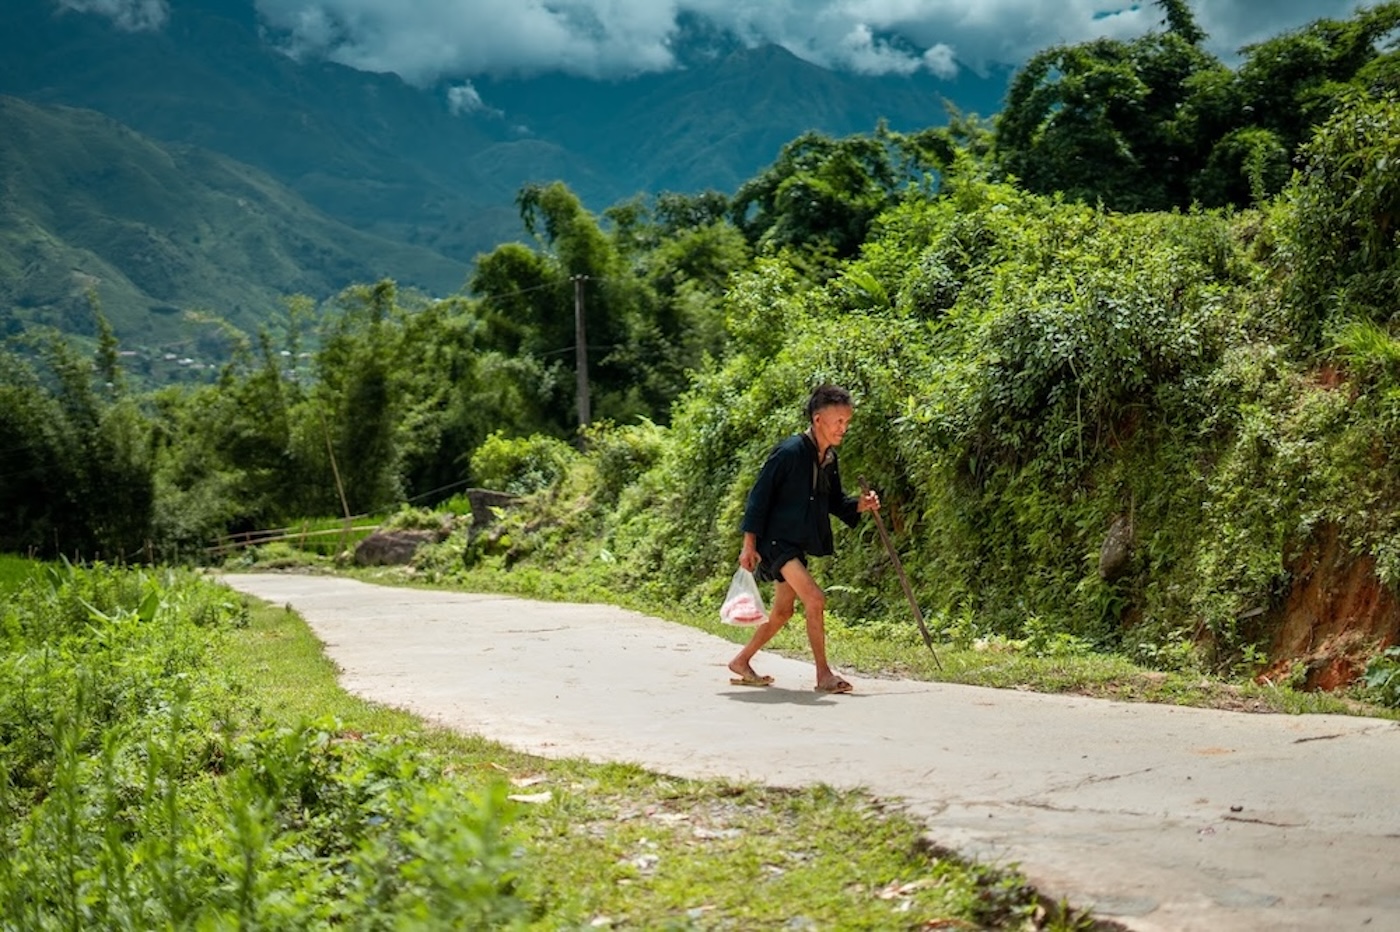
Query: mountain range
x,y
357,175
169,237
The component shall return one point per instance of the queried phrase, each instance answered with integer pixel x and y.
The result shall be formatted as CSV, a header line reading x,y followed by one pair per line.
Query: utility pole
x,y
340,486
581,353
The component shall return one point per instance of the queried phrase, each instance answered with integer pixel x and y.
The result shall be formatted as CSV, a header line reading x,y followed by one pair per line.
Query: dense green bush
x,y
1345,211
1383,677
521,465
991,419
137,791
620,455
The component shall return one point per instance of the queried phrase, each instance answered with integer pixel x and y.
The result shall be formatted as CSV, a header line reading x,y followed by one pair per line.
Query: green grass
x,y
327,536
15,570
616,844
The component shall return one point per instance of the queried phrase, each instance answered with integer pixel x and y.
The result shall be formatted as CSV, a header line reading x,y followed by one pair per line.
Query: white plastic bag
x,y
744,603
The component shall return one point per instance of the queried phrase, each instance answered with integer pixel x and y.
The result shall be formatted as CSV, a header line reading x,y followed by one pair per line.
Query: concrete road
x,y
1155,816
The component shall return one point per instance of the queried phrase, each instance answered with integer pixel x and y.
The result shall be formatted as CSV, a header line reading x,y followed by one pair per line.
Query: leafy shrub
x,y
459,505
415,519
620,455
1248,165
522,465
1382,678
137,791
1344,205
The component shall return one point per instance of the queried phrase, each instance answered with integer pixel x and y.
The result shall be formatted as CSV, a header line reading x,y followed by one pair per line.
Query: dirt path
x,y
1157,816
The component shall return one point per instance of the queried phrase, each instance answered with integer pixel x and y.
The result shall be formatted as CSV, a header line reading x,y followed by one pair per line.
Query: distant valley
x,y
175,241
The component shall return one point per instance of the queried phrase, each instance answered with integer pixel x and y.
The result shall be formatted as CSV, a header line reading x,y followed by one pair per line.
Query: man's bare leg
x,y
814,607
797,584
742,664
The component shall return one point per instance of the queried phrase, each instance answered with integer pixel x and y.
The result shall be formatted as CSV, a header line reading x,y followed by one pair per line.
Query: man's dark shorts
x,y
773,556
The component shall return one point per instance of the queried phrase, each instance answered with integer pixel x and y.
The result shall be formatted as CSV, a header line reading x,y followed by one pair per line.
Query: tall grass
x,y
14,571
140,788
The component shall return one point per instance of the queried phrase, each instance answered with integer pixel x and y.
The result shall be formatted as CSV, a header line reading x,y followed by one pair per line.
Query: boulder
x,y
392,548
1117,548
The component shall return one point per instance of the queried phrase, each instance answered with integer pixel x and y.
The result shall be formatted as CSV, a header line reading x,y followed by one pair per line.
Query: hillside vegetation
x,y
1162,435
175,242
1158,434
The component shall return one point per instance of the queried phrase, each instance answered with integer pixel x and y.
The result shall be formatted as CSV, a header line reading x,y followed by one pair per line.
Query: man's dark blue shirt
x,y
794,497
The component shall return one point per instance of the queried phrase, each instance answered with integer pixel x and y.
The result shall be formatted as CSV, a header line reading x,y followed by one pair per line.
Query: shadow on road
x,y
777,695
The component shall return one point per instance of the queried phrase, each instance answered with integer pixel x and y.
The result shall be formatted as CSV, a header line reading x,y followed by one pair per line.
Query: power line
x,y
433,492
570,348
514,294
608,279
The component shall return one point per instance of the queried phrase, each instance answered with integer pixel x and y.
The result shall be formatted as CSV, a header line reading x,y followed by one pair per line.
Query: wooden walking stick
x,y
903,580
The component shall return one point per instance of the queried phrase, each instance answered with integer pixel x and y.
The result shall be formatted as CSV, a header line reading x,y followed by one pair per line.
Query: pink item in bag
x,y
743,605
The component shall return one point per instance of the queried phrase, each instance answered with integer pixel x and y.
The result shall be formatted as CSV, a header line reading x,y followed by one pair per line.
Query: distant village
x,y
165,366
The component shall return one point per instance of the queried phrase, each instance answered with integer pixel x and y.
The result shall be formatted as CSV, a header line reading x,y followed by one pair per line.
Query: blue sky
x,y
427,40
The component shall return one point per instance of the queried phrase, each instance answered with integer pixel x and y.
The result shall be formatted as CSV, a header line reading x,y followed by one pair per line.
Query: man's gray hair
x,y
827,396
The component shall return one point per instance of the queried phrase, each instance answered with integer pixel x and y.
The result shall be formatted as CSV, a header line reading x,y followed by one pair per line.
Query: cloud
x,y
942,61
1233,25
425,40
429,40
131,15
464,99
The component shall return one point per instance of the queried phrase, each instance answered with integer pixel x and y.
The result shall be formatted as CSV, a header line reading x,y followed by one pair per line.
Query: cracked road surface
x,y
1158,817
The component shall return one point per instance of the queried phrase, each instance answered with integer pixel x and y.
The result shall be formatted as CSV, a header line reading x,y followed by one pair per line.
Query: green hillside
x,y
715,123
162,232
367,149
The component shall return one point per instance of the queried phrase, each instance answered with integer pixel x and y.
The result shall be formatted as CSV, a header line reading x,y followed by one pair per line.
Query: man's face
x,y
829,424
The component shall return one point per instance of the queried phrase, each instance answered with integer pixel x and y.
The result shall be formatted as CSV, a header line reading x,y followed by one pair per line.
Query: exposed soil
x,y
1337,615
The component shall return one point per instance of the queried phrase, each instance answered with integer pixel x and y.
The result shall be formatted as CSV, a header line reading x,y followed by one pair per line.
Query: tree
x,y
1345,223
1156,123
356,395
523,300
35,505
966,137
1180,21
1291,83
821,195
678,213
77,466
1102,120
454,393
638,345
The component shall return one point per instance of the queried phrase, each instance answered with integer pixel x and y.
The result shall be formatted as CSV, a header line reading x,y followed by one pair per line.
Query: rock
x,y
483,501
392,548
1117,548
